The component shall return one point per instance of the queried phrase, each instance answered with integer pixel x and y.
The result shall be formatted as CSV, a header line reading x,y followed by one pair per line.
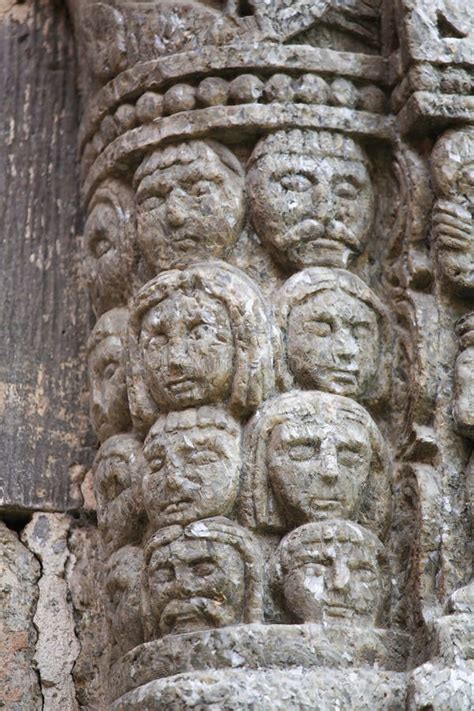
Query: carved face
x,y
318,467
195,585
108,390
123,587
334,580
109,234
333,343
190,208
453,231
464,390
118,510
193,473
311,209
188,351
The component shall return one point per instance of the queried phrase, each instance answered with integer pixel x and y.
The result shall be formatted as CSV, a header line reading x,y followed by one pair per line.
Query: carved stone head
x,y
123,590
464,377
197,337
193,466
331,572
311,457
110,236
106,347
204,576
452,166
118,470
333,329
190,203
311,197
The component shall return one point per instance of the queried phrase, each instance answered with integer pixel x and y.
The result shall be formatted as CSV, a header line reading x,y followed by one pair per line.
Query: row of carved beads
x,y
309,195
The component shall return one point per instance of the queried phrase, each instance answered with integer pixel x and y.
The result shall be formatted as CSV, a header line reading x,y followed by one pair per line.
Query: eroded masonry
x,y
280,250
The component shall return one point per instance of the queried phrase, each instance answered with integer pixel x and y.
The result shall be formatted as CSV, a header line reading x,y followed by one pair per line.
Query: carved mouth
x,y
179,386
185,241
345,376
339,610
176,506
325,503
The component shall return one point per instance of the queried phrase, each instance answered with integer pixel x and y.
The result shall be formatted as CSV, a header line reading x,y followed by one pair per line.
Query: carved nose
x,y
174,479
175,211
176,355
340,576
328,462
345,345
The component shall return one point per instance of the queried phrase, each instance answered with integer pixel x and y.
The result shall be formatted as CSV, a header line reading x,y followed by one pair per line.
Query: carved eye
x,y
366,574
203,456
156,462
202,330
163,574
296,183
110,370
302,452
99,246
159,339
320,328
346,190
361,330
200,188
203,568
348,456
315,569
151,203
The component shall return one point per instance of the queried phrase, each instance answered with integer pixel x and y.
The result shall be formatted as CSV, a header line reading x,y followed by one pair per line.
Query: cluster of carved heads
x,y
452,166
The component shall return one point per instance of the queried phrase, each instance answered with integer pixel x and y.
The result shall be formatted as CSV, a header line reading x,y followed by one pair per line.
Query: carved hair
x,y
449,155
311,281
204,416
259,507
253,377
184,153
309,142
220,530
465,330
112,323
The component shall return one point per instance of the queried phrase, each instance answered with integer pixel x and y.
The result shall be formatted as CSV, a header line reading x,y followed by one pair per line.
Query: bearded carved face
x,y
188,349
318,466
193,474
195,585
190,208
334,343
311,209
334,578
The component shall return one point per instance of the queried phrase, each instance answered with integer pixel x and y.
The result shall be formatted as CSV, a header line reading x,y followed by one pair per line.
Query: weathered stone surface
x,y
19,573
56,647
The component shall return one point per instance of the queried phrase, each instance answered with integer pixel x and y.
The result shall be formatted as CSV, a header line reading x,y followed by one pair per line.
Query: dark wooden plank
x,y
44,313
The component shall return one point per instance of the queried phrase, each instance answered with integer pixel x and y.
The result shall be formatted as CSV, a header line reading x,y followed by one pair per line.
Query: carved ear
x,y
105,33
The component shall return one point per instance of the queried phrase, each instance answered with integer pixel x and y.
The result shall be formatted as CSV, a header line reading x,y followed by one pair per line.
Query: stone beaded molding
x,y
284,518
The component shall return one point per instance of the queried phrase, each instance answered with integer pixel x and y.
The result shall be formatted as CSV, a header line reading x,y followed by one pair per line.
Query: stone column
x,y
276,456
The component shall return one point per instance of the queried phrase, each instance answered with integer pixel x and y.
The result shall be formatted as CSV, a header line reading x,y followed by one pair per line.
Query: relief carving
x,y
332,572
335,334
311,456
249,392
123,589
110,235
463,409
118,471
190,203
310,197
199,336
203,576
452,165
194,466
106,347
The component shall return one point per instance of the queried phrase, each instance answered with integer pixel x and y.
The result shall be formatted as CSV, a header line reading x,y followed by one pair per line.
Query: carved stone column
x,y
279,485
